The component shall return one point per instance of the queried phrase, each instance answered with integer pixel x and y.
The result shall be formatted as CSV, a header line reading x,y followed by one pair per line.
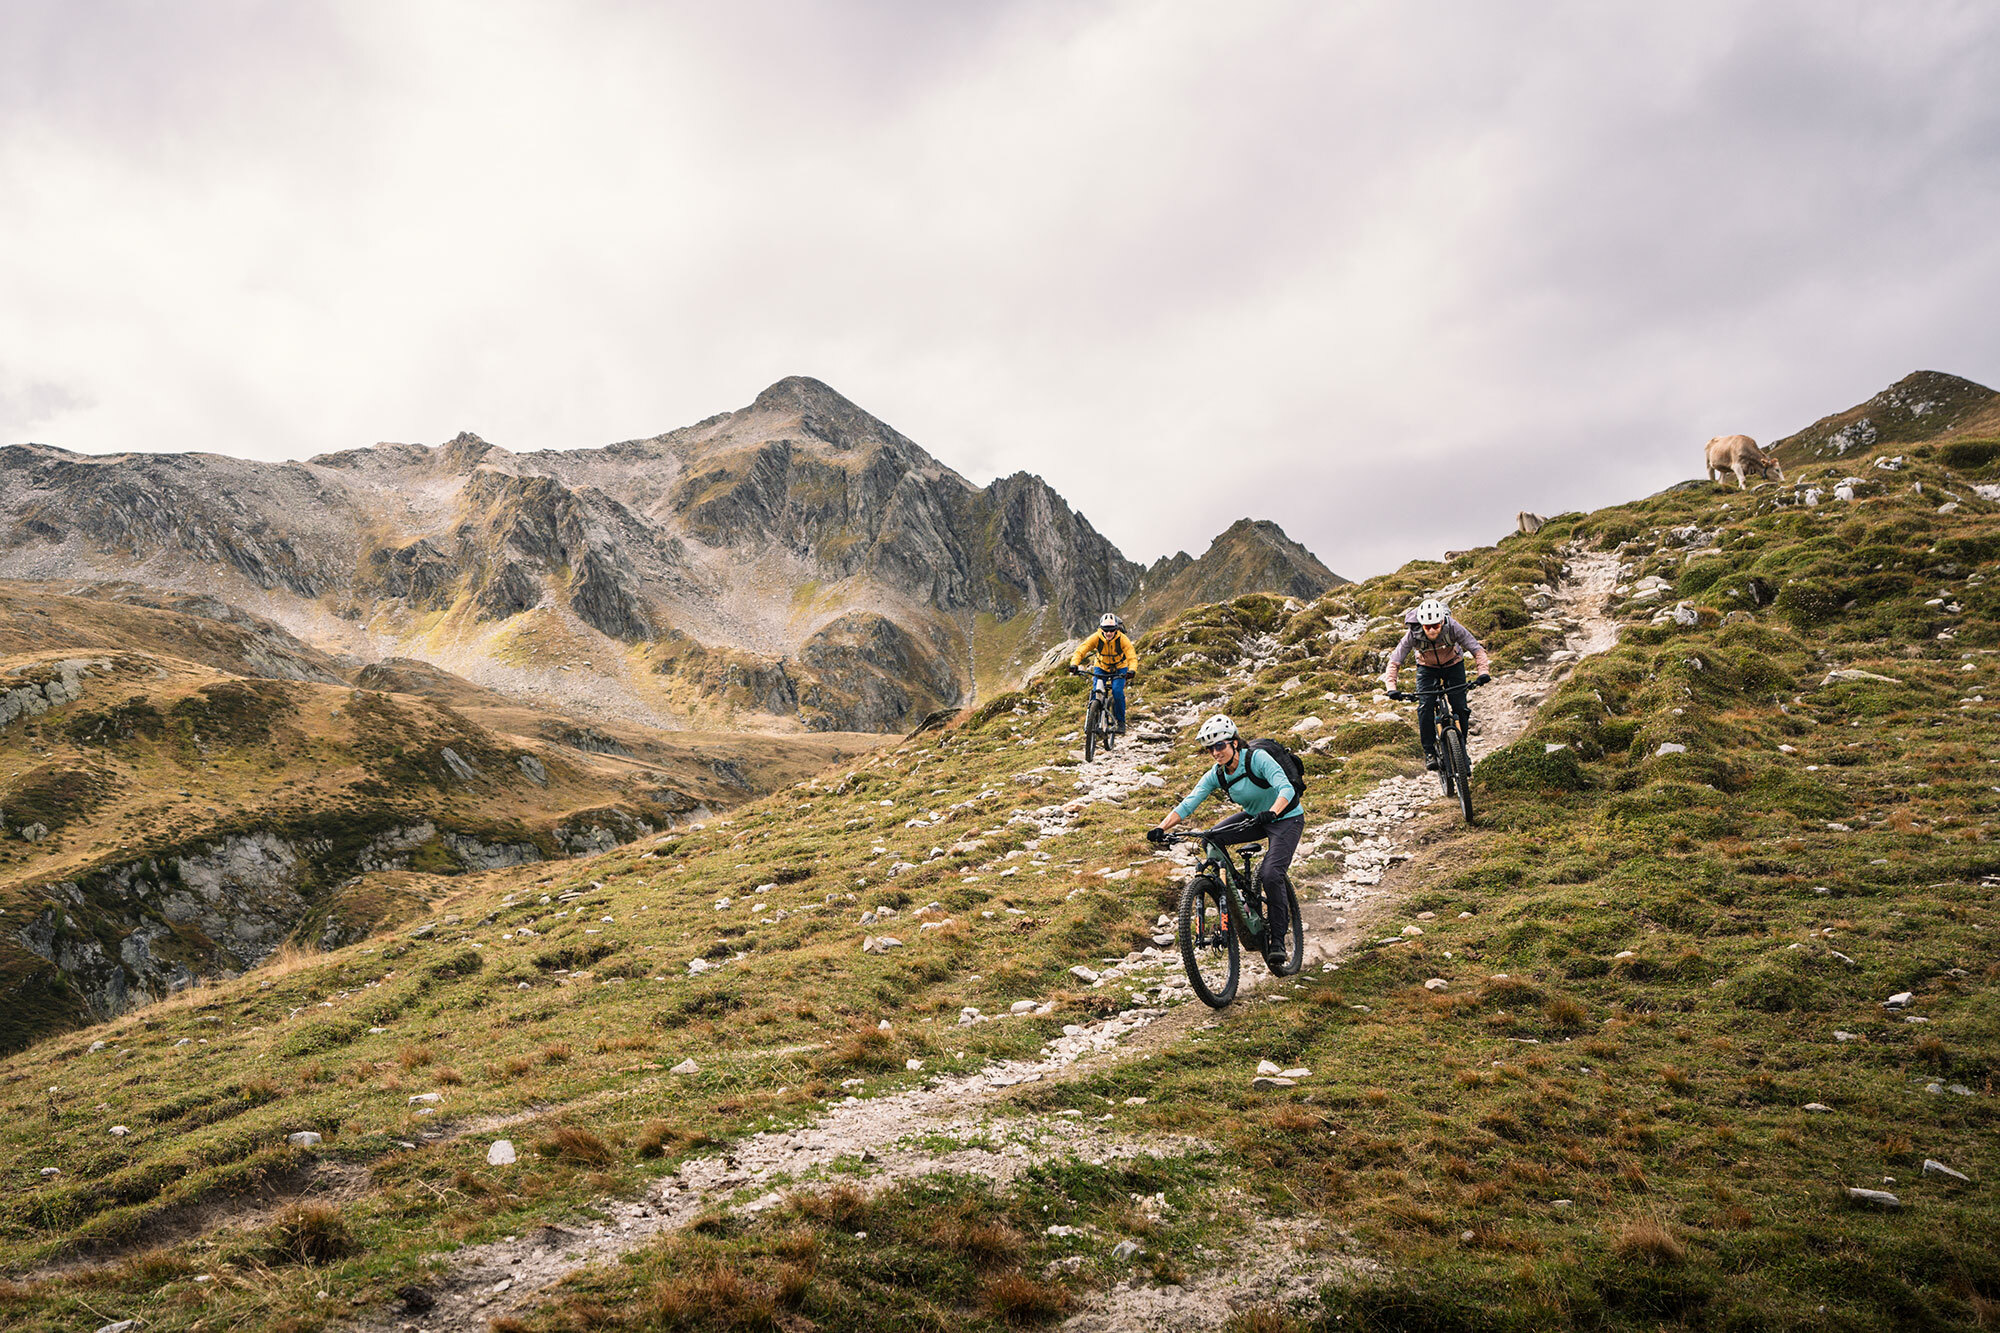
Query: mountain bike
x,y
1098,723
1454,760
1222,912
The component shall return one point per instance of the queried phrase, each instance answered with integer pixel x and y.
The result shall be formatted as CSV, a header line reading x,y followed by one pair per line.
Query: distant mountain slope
x,y
1253,555
1924,405
795,563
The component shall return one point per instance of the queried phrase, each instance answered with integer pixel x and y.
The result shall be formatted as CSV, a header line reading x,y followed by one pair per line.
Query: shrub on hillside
x,y
1774,990
1809,602
320,1034
1529,765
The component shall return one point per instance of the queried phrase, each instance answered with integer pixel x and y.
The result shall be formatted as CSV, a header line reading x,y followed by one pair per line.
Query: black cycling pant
x,y
1451,680
1281,843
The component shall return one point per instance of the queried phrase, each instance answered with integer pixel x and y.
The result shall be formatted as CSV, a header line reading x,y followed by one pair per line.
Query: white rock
x,y
1838,1035
424,1099
913,1065
501,1153
122,1326
1880,1198
51,1172
1083,974
697,966
687,1066
95,1047
1307,724
1265,1082
1300,1072
1898,1000
1624,953
1817,1106
1856,673
1413,931
1670,747
1022,1007
1268,1067
1125,1249
1932,1167
305,1138
119,1131
1436,983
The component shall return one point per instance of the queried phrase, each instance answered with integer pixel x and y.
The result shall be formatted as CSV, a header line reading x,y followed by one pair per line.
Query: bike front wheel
x,y
1208,946
1090,730
1455,760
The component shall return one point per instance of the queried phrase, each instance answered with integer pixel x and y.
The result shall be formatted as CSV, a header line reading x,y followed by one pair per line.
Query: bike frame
x,y
1246,904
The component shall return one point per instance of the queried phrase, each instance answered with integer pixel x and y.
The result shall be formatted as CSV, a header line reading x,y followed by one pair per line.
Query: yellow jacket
x,y
1114,653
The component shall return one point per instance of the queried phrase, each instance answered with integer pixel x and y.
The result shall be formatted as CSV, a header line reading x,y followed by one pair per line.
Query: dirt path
x,y
964,1123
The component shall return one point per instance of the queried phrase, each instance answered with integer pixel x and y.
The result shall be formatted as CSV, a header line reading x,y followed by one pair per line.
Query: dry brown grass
x,y
1020,1299
844,1206
987,1245
568,1143
1564,1014
289,957
415,1057
448,1076
557,1052
309,1233
1647,1241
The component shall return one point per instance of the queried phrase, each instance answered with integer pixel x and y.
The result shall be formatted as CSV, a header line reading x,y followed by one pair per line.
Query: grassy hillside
x,y
163,821
1659,1058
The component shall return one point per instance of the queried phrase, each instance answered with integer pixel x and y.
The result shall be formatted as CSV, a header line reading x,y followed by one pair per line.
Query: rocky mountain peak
x,y
825,414
1923,405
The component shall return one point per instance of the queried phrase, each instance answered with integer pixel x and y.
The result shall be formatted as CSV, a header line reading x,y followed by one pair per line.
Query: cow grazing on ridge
x,y
1740,454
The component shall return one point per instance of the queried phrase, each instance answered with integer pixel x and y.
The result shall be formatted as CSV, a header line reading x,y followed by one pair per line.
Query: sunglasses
x,y
1220,746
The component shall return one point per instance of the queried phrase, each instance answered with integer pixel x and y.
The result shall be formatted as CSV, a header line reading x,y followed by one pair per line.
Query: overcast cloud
x,y
1385,273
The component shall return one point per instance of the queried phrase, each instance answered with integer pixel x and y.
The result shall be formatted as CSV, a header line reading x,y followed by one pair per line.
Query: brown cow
x,y
1740,454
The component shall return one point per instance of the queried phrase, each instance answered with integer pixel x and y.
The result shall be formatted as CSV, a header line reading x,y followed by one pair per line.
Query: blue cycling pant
x,y
1117,679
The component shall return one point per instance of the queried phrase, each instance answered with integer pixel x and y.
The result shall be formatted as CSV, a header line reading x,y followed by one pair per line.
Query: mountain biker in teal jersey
x,y
1271,810
1440,644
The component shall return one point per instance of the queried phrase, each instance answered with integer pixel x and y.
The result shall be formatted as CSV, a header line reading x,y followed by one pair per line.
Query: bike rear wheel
x,y
1454,747
1090,730
1295,944
1208,946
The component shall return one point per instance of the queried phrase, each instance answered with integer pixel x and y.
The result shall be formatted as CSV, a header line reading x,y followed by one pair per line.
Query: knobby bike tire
x,y
1209,951
1110,729
1090,731
1295,955
1455,757
1444,759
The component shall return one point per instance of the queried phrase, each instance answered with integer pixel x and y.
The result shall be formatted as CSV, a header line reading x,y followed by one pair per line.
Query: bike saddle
x,y
1250,848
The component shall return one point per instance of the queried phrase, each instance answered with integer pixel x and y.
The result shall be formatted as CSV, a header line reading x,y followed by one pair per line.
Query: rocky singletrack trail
x,y
966,1124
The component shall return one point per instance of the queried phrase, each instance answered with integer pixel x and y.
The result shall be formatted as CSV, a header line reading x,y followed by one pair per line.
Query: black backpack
x,y
1295,772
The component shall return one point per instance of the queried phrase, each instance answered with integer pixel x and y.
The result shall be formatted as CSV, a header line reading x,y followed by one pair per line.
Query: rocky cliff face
x,y
798,560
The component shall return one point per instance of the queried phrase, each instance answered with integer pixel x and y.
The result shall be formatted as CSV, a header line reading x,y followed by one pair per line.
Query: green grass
x,y
1660,1093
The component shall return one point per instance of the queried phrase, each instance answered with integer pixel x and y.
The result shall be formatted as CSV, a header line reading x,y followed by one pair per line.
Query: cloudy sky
x,y
1385,273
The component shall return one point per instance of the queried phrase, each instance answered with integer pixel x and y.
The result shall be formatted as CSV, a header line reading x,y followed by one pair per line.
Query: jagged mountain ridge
x,y
798,560
1251,555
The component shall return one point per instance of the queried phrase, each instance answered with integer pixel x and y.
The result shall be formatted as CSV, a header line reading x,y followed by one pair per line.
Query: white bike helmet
x,y
1217,728
1108,621
1431,611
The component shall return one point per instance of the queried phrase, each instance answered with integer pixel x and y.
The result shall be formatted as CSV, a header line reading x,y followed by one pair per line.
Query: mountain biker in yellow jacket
x,y
1117,658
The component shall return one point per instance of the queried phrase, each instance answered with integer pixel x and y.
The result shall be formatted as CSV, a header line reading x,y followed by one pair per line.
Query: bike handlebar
x,y
1410,696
